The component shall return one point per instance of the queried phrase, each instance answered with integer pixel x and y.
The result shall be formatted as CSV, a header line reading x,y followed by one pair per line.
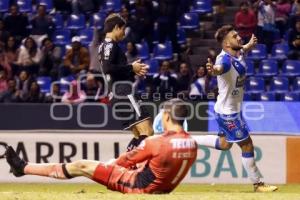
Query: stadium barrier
x,y
277,156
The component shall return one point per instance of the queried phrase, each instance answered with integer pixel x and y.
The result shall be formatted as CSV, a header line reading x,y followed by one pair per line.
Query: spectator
x,y
16,23
245,22
165,82
184,78
55,94
63,6
219,13
11,95
11,51
92,89
295,12
4,64
283,9
294,42
3,33
34,94
85,6
74,96
266,22
50,60
3,81
23,82
77,59
42,25
29,57
131,53
200,83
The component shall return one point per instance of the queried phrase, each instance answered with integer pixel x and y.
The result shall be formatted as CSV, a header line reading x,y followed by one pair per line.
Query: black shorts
x,y
129,111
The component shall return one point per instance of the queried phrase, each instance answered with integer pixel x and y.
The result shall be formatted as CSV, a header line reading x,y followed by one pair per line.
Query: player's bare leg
x,y
251,168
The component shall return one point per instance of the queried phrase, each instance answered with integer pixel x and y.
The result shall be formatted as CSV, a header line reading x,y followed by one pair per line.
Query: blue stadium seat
x,y
86,36
47,3
65,83
268,68
258,53
112,5
291,68
250,67
57,19
267,96
4,6
25,5
247,96
143,50
255,84
189,21
97,20
45,83
291,96
76,22
62,37
279,51
153,66
202,6
296,84
163,51
181,36
279,85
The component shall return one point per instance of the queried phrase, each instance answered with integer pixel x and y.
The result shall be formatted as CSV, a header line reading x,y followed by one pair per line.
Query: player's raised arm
x,y
214,70
251,44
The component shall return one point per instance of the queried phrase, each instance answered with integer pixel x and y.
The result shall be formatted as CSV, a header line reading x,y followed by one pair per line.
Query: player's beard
x,y
237,48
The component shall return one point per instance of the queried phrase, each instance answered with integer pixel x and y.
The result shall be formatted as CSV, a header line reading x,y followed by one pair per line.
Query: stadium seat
x,y
143,50
268,68
189,21
57,19
291,96
24,5
112,5
202,6
62,37
163,51
76,22
258,53
47,3
291,68
86,36
250,67
181,36
247,96
4,6
267,96
279,51
279,85
45,83
97,20
153,66
255,84
65,83
296,85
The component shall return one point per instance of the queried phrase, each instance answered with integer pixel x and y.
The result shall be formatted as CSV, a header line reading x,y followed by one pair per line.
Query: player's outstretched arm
x,y
251,44
212,69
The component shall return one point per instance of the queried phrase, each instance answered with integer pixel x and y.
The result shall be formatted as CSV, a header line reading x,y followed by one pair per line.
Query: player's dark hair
x,y
177,109
222,32
113,20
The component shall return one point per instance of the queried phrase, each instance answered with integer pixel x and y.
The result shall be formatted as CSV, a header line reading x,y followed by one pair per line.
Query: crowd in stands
x,y
48,48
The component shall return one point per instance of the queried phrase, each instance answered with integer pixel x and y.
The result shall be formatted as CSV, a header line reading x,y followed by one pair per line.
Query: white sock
x,y
250,167
211,141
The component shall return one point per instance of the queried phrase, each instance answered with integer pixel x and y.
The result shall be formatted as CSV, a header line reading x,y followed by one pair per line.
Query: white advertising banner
x,y
212,166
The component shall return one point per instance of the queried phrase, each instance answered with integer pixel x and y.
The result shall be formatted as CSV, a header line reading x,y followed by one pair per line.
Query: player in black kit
x,y
119,77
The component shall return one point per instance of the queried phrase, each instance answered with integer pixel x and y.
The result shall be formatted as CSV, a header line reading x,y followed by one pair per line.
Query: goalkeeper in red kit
x,y
162,161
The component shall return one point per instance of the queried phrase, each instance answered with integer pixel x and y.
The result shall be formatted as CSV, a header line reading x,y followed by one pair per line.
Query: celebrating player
x,y
162,160
230,69
119,77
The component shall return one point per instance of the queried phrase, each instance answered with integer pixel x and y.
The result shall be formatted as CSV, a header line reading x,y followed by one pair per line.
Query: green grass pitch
x,y
13,191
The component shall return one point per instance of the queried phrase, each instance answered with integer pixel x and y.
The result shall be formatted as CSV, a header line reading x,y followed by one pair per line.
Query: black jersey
x,y
114,62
